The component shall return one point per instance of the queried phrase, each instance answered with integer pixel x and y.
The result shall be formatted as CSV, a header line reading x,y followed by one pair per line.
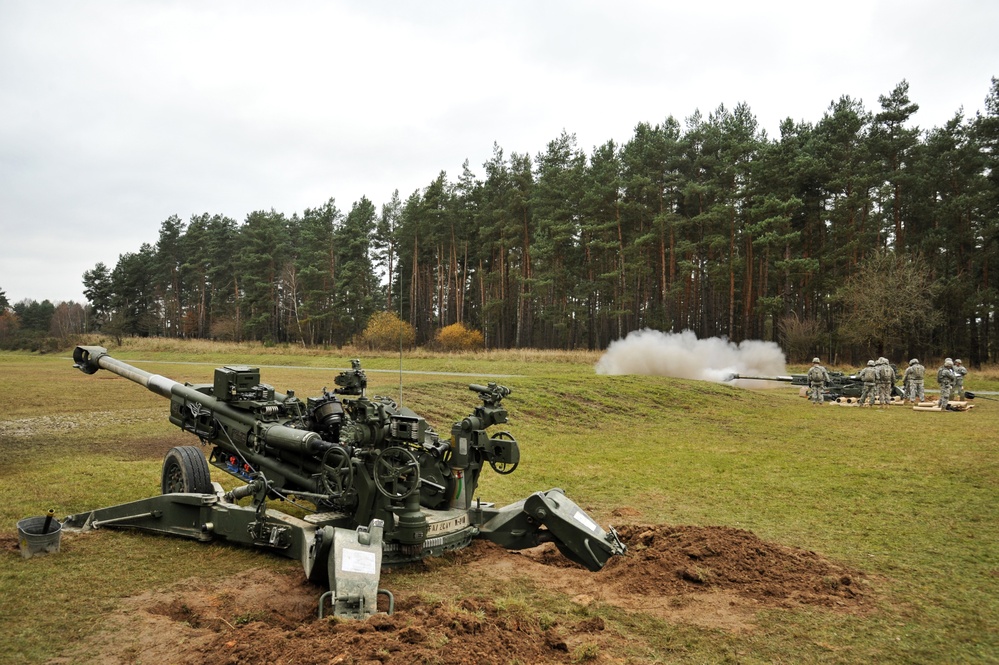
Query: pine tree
x,y
357,289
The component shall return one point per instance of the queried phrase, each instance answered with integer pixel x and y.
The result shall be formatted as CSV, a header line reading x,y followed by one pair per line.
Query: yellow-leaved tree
x,y
386,331
456,337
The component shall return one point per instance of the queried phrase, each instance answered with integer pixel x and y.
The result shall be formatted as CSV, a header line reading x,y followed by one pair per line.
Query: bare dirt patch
x,y
39,425
53,425
145,449
8,543
45,430
709,576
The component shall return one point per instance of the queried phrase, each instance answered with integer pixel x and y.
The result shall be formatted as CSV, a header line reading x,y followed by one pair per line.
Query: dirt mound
x,y
711,576
473,631
267,617
715,577
684,559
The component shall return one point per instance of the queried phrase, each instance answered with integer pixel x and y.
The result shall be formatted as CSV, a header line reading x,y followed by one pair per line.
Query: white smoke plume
x,y
684,356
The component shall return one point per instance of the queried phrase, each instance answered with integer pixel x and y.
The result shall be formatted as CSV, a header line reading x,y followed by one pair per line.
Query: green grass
x,y
908,498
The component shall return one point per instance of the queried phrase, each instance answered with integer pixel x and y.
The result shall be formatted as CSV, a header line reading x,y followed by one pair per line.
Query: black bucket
x,y
34,539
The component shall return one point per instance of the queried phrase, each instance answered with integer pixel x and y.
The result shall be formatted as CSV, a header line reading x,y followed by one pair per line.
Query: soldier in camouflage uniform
x,y
959,372
945,377
869,376
885,376
818,377
913,378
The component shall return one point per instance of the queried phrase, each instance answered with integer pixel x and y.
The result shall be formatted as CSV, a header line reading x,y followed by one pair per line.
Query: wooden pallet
x,y
952,406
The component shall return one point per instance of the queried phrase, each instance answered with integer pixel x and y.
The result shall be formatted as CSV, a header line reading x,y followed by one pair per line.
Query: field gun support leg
x,y
550,517
207,517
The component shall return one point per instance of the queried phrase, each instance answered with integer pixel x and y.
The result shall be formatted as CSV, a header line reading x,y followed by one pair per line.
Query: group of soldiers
x,y
880,377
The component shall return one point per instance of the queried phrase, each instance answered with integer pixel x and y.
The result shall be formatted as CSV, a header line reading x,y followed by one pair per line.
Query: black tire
x,y
186,470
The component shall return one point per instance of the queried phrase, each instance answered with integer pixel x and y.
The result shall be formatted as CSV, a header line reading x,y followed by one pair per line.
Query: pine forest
x,y
857,235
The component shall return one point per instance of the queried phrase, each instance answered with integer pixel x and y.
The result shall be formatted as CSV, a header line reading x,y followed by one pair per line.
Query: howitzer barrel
x,y
89,359
787,379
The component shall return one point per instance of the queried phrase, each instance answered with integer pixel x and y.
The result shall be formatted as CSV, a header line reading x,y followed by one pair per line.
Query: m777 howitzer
x,y
385,486
840,385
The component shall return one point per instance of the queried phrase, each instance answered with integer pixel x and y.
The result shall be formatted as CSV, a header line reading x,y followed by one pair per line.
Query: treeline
x,y
39,326
857,235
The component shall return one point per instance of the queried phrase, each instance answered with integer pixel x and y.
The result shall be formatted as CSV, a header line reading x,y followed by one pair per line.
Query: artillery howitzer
x,y
385,487
840,385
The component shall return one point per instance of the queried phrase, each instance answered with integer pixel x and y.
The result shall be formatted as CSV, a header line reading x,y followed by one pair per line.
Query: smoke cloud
x,y
684,356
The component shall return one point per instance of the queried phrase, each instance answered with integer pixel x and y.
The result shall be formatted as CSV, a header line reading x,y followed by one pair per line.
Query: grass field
x,y
908,498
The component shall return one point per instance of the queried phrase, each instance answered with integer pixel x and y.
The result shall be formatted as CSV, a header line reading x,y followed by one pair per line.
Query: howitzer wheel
x,y
185,470
397,473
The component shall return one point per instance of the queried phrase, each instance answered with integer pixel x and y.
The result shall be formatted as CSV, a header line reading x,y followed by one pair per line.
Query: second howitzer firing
x,y
839,384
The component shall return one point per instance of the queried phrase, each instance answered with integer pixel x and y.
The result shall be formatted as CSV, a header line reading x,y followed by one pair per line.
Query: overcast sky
x,y
116,115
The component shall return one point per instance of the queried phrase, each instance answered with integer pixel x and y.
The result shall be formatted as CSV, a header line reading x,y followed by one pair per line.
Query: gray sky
x,y
116,115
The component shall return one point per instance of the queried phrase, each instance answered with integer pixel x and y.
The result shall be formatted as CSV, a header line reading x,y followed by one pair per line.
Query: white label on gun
x,y
358,561
585,521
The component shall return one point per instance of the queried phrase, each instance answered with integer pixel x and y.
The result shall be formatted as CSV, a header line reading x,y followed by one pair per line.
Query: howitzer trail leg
x,y
576,534
206,517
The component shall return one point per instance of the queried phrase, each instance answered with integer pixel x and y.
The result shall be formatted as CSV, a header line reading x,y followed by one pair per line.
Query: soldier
x,y
913,377
885,376
818,377
869,376
945,377
959,372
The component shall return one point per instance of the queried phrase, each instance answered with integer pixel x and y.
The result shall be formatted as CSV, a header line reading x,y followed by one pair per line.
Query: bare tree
x,y
887,304
801,338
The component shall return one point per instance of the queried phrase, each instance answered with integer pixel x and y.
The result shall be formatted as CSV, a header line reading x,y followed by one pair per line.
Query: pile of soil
x,y
711,576
684,559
